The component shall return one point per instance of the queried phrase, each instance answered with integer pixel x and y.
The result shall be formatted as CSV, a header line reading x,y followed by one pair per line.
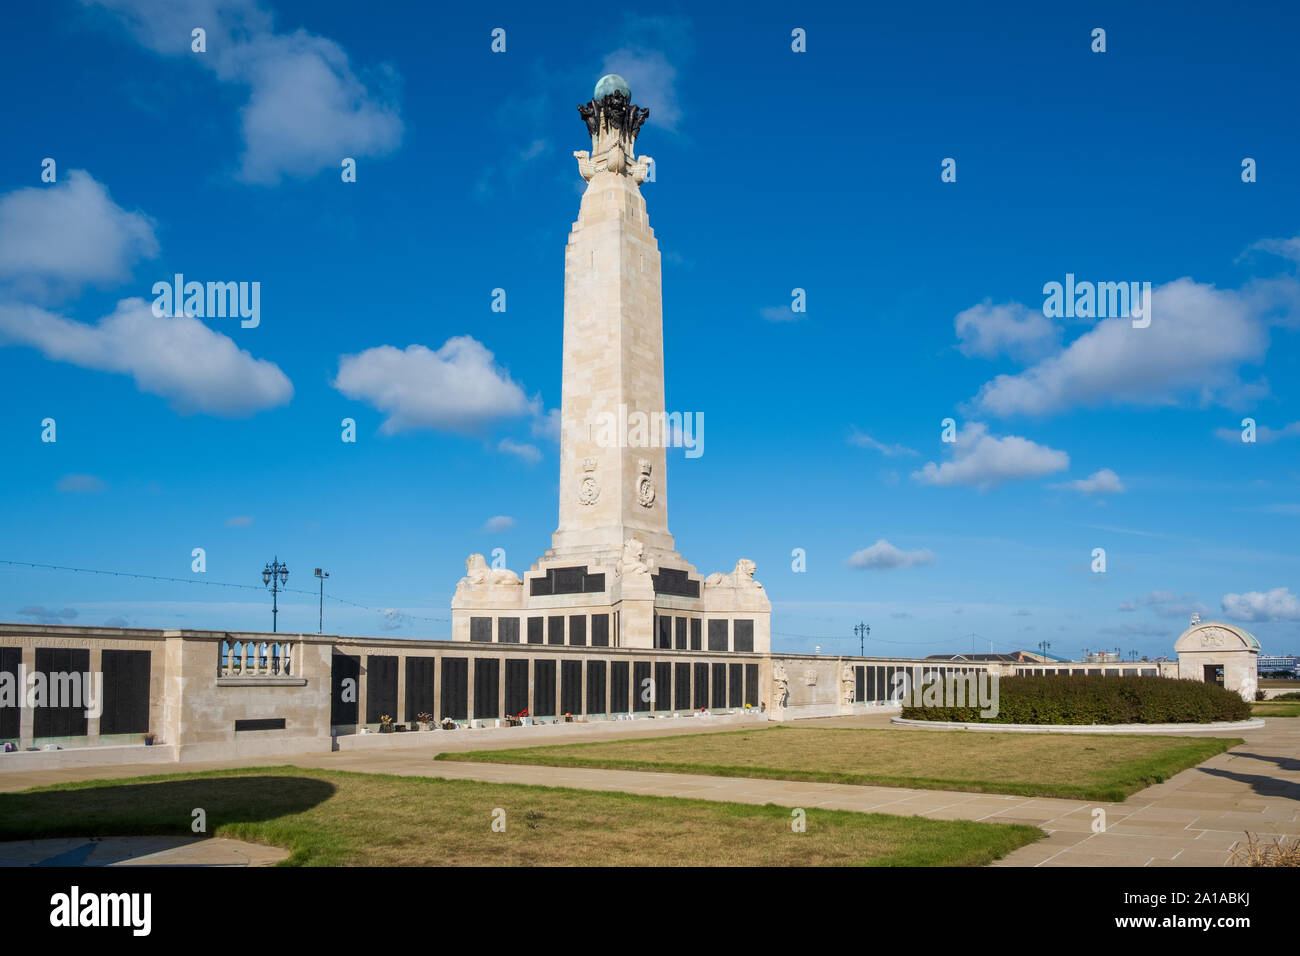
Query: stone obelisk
x,y
613,484
612,577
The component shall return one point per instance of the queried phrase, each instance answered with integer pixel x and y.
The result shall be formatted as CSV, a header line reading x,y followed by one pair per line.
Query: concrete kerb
x,y
1253,724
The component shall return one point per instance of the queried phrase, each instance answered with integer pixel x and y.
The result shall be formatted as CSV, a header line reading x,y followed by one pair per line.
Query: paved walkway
x,y
139,851
1197,818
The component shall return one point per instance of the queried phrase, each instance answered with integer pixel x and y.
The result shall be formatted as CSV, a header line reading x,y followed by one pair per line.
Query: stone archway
x,y
1206,647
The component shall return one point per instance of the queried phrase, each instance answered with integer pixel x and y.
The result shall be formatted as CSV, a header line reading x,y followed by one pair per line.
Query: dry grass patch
x,y
1269,708
329,818
1089,767
1281,852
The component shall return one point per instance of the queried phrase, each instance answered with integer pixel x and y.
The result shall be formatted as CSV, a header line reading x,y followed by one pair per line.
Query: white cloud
x,y
241,521
781,313
165,27
534,149
1263,433
1104,482
456,388
306,107
883,556
1286,248
987,331
70,232
1276,300
1279,604
651,48
529,453
985,461
652,80
1134,629
391,619
547,426
1198,339
498,523
81,484
44,615
179,359
1166,604
863,440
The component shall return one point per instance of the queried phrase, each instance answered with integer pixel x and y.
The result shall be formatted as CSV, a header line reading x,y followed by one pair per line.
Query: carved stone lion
x,y
478,574
634,561
741,577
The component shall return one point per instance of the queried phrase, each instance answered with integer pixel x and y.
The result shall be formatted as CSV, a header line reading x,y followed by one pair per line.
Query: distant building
x,y
1011,657
1100,657
1271,663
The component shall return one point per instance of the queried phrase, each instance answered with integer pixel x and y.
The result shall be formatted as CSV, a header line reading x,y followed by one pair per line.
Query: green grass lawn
x,y
332,818
1088,767
1268,708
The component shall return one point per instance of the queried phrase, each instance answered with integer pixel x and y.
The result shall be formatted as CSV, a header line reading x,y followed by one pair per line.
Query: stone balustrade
x,y
255,659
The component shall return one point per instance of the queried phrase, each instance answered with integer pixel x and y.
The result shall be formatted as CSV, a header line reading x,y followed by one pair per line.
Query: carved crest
x,y
589,487
645,489
1213,637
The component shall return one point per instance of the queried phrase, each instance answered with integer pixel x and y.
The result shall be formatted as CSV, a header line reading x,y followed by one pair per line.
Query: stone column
x,y
361,689
26,716
400,716
96,668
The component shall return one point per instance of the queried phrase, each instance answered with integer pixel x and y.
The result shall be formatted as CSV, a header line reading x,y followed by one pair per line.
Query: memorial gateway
x,y
610,622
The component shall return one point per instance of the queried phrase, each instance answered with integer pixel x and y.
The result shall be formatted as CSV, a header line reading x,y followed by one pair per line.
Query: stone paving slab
x,y
139,851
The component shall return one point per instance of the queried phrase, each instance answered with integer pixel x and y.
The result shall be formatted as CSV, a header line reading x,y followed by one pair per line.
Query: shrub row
x,y
1099,699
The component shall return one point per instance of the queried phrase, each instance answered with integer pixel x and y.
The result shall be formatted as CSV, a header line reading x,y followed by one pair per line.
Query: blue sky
x,y
776,170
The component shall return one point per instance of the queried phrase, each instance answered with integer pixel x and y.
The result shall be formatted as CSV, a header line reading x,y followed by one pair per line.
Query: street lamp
x,y
862,630
274,576
320,629
1043,646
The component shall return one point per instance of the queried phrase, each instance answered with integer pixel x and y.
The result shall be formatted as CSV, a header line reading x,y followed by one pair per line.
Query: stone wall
x,y
216,694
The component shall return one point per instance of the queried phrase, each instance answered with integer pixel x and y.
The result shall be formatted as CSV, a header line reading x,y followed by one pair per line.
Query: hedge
x,y
1098,699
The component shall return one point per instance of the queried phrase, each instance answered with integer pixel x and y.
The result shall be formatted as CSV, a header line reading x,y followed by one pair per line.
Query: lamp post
x,y
274,576
320,629
862,630
1043,646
